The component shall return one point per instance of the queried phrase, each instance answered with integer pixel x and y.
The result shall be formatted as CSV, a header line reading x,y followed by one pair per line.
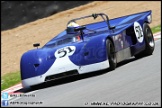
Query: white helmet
x,y
73,24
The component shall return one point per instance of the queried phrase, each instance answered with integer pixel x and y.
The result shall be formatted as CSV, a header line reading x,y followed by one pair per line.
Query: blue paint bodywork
x,y
92,49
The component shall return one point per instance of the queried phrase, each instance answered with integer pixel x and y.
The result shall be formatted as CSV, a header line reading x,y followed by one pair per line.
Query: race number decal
x,y
66,51
138,31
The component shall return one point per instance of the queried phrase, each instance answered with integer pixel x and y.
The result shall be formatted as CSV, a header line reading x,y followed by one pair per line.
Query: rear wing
x,y
141,16
111,24
123,22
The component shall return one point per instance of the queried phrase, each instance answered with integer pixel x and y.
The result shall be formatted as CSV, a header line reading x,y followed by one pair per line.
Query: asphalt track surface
x,y
135,82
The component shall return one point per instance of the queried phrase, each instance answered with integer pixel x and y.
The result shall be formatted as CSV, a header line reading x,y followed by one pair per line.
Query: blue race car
x,y
90,47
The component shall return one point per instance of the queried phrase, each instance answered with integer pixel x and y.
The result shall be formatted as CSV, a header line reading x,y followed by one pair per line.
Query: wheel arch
x,y
112,60
110,38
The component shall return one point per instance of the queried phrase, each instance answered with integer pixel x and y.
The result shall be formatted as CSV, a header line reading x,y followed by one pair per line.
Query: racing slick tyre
x,y
149,42
111,54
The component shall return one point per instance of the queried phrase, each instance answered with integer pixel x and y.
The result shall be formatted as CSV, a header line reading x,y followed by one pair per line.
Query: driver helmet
x,y
71,26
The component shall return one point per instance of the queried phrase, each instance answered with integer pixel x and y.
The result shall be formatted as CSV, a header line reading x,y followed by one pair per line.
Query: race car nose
x,y
34,64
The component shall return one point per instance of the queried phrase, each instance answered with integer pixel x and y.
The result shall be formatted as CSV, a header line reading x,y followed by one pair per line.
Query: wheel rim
x,y
150,38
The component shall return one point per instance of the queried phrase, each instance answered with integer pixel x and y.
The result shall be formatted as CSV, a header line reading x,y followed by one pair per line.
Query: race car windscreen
x,y
67,38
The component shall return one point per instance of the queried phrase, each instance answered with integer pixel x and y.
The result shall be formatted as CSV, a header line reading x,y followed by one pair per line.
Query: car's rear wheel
x,y
149,39
111,54
149,42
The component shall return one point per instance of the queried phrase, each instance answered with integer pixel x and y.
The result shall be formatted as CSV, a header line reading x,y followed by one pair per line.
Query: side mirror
x,y
36,45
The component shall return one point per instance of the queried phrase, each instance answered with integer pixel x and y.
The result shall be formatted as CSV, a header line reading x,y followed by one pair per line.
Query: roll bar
x,y
95,15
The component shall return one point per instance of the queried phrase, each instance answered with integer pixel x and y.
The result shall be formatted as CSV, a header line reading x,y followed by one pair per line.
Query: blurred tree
x,y
15,13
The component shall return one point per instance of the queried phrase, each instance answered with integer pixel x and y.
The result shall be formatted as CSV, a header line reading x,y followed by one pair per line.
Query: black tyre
x,y
149,42
111,54
149,39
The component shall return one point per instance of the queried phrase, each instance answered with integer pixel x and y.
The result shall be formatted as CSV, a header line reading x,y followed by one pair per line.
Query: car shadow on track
x,y
62,81
74,78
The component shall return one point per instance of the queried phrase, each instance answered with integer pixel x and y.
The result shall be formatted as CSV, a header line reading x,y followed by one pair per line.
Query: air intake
x,y
61,75
36,65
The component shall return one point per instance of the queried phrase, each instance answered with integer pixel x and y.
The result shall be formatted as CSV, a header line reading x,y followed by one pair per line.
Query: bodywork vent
x,y
61,75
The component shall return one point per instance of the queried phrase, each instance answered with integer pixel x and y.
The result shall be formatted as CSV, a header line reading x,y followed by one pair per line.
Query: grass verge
x,y
13,78
10,79
156,29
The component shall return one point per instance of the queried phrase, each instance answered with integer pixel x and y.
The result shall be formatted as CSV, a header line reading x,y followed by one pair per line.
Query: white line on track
x,y
13,99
